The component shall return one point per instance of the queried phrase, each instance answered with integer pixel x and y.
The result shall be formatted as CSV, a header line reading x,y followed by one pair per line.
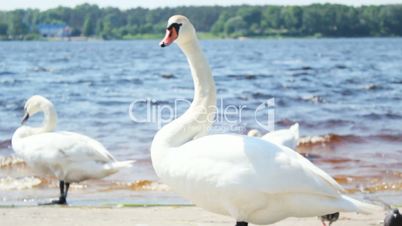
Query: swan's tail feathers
x,y
295,130
123,164
116,166
362,207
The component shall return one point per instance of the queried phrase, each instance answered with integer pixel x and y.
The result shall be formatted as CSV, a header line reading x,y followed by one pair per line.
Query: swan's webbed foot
x,y
241,223
331,218
60,201
63,195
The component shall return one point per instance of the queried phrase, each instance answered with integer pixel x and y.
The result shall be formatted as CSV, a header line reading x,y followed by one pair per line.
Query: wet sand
x,y
150,216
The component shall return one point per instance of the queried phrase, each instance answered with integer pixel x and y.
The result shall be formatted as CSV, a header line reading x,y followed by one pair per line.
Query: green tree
x,y
235,27
3,29
87,27
219,25
330,20
16,27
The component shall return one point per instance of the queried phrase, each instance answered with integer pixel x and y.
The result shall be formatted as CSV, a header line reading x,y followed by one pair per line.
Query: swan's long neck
x,y
199,117
48,125
49,120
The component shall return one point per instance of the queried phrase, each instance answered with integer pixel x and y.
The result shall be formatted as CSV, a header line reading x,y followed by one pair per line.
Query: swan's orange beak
x,y
171,35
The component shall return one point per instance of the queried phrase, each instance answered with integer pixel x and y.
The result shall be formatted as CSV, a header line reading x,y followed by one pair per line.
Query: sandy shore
x,y
149,216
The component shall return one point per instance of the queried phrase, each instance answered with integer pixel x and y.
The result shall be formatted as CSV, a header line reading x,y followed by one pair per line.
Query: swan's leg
x,y
63,195
62,198
66,192
241,223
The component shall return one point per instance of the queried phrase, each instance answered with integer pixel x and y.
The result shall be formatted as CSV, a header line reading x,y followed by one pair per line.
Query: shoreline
x,y
151,216
202,37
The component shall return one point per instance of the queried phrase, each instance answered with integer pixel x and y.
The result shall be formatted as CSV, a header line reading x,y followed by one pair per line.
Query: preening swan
x,y
287,137
247,178
70,157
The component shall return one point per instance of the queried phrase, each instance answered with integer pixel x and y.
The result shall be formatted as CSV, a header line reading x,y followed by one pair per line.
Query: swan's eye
x,y
176,26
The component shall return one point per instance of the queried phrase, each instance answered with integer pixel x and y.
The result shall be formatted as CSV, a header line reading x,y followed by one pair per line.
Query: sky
x,y
125,4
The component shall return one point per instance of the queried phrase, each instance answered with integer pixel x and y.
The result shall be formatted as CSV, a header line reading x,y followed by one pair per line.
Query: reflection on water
x,y
345,93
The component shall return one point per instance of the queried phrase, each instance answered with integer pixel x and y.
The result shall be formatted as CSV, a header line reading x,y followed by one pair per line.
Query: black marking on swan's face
x,y
175,26
172,33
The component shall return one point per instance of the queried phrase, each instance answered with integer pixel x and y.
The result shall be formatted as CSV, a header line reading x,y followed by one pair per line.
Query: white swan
x,y
244,177
70,157
287,137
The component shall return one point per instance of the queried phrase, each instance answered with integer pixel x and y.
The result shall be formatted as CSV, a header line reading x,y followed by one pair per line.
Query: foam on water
x,y
10,183
11,162
140,185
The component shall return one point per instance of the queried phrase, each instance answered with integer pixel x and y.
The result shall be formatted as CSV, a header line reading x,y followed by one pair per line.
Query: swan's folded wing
x,y
253,164
68,146
280,137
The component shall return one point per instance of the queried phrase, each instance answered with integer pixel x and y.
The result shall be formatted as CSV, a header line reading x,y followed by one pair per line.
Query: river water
x,y
346,94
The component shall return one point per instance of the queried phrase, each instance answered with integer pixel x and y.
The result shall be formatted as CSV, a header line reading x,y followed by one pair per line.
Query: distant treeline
x,y
329,20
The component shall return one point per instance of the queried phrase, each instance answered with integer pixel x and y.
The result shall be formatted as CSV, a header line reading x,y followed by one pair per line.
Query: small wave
x,y
303,68
384,186
11,81
330,123
328,139
42,69
11,162
335,139
285,122
7,73
300,74
346,179
74,82
371,184
372,86
378,116
314,140
111,102
10,183
125,81
259,95
5,144
387,137
140,185
313,98
60,59
241,77
168,76
340,66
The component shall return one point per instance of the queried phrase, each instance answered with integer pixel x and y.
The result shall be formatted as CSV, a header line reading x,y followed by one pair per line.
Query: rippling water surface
x,y
345,93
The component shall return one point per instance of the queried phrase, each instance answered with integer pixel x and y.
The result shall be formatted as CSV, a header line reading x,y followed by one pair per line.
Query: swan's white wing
x,y
283,133
65,146
287,137
250,163
283,137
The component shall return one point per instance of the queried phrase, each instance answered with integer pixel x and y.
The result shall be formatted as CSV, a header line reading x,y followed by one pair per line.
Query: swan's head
x,y
254,133
178,29
34,105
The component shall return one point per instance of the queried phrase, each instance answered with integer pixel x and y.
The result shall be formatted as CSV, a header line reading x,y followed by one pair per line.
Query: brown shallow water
x,y
379,179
